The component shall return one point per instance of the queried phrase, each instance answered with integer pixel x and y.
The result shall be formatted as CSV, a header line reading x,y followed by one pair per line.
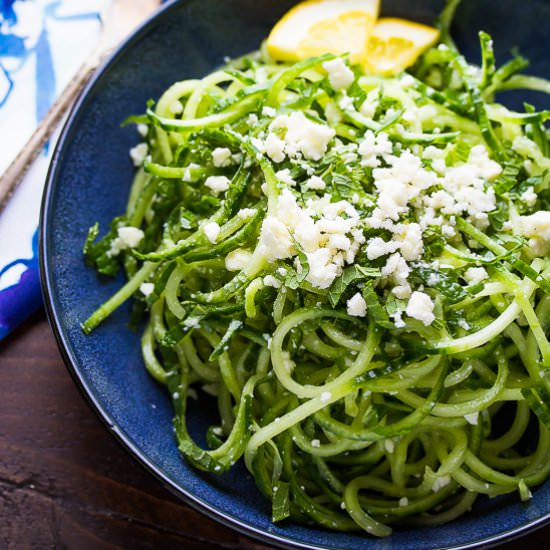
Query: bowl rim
x,y
90,393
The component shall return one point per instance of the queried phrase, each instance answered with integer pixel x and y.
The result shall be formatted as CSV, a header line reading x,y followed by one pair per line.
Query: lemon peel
x,y
316,27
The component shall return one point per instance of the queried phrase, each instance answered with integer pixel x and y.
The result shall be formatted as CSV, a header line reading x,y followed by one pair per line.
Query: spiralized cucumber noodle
x,y
356,267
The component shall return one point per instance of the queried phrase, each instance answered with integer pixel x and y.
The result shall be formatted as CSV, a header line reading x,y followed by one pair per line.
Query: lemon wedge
x,y
316,27
395,44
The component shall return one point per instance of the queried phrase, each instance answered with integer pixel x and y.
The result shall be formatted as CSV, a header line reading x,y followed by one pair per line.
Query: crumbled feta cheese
x,y
275,240
404,501
537,227
315,182
439,166
322,271
269,280
147,288
246,213
130,236
479,157
335,224
448,230
346,103
421,307
397,269
221,156
269,111
464,189
356,306
275,148
307,234
373,146
315,443
282,271
218,184
334,209
329,242
237,259
289,211
325,397
472,418
285,177
474,275
127,237
529,197
347,152
301,136
340,75
409,237
432,152
378,247
389,445
211,230
258,143
139,153
398,319
142,129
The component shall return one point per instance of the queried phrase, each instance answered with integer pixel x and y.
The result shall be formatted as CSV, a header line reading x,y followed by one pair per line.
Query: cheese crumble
x,y
147,288
218,184
127,237
299,135
356,306
340,75
139,153
421,307
211,230
237,259
327,232
221,156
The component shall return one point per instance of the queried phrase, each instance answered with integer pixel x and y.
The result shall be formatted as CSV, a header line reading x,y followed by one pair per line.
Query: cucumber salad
x,y
356,266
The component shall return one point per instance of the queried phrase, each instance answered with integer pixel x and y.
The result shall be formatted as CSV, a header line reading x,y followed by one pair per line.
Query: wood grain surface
x,y
66,483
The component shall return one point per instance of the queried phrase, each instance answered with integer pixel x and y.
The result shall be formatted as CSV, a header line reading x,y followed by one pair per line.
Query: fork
x,y
118,19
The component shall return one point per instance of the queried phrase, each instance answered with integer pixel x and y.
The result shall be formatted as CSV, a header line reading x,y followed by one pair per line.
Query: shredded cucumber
x,y
358,273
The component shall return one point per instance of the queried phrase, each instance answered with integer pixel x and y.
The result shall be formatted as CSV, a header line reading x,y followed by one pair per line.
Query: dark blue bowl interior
x,y
89,181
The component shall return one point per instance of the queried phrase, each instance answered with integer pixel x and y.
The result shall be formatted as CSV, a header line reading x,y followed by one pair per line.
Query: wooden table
x,y
66,483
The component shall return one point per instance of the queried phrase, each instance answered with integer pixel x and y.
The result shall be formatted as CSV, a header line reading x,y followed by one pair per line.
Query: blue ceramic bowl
x,y
89,181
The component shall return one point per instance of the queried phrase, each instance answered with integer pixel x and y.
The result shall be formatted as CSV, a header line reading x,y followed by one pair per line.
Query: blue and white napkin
x,y
42,44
